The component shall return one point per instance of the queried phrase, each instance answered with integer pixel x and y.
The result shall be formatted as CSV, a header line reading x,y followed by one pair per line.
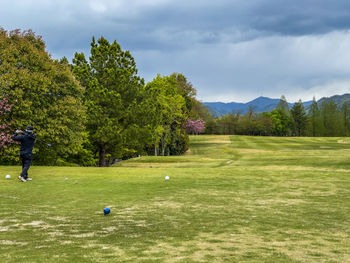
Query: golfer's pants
x,y
26,161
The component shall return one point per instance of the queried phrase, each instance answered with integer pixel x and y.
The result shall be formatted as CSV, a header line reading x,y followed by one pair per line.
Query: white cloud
x,y
98,6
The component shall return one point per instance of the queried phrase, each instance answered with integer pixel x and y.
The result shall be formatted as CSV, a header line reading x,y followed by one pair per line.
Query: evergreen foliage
x,y
299,119
112,97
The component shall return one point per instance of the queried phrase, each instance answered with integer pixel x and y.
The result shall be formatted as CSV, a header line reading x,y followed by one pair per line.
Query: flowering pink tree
x,y
195,127
5,135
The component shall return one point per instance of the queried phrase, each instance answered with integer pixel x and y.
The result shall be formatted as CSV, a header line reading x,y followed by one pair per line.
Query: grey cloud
x,y
300,17
241,48
270,66
163,24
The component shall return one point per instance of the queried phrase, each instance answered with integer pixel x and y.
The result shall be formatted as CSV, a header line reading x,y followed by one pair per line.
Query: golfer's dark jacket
x,y
27,142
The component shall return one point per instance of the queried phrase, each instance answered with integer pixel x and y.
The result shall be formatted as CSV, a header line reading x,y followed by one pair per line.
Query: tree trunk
x,y
155,150
102,156
163,150
164,143
163,147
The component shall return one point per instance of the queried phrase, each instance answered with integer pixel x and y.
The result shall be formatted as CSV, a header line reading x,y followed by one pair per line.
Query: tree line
x,y
92,111
324,119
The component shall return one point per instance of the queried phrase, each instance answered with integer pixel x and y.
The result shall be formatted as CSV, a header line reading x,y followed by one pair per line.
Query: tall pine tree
x,y
113,99
299,118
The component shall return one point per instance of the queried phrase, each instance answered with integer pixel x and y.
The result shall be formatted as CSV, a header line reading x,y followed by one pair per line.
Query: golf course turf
x,y
228,199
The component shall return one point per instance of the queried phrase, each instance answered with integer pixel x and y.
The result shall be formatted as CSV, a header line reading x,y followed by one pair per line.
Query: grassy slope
x,y
230,199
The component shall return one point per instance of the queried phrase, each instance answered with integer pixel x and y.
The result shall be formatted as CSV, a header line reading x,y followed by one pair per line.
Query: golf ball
x,y
167,178
8,176
66,178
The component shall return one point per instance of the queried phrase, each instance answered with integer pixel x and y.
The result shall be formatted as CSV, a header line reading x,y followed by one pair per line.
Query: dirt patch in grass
x,y
110,229
4,228
34,223
280,201
22,226
84,235
12,243
37,224
236,246
58,218
168,204
116,251
55,233
195,250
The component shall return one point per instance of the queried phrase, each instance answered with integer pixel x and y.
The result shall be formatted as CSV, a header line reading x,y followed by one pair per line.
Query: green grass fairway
x,y
229,199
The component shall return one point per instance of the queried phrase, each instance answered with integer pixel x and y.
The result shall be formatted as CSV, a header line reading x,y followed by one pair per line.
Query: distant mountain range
x,y
263,104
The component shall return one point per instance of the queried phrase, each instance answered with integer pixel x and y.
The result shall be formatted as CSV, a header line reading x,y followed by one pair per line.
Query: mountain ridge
x,y
264,104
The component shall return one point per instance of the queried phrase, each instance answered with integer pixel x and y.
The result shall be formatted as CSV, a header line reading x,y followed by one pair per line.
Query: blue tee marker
x,y
106,211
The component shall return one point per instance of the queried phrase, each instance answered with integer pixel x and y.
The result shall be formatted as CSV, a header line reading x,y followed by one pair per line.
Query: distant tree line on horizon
x,y
324,119
93,111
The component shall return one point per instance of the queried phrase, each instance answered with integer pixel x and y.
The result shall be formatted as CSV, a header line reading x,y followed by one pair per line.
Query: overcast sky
x,y
230,50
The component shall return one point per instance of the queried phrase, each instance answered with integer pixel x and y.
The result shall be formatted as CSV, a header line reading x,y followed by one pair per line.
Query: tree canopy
x,y
168,109
44,94
112,97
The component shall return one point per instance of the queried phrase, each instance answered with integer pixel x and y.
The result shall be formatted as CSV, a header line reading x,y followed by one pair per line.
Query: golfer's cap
x,y
30,129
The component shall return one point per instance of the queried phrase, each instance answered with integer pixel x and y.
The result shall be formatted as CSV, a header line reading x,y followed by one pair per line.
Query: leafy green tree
x,y
179,142
200,111
228,124
113,98
264,124
281,122
168,110
211,126
247,124
194,108
299,118
45,95
186,90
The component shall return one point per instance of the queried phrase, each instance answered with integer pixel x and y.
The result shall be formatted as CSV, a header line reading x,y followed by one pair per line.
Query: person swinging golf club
x,y
27,140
